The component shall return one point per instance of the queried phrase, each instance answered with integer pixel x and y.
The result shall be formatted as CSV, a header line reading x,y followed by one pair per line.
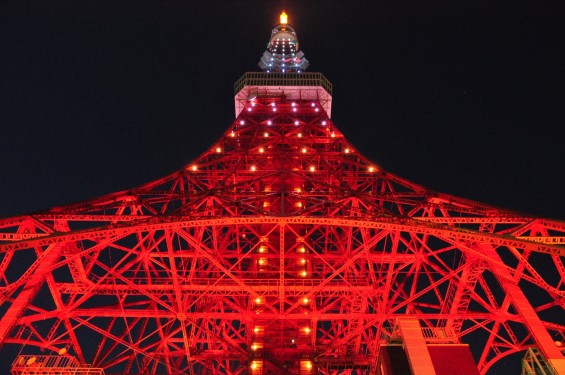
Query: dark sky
x,y
465,97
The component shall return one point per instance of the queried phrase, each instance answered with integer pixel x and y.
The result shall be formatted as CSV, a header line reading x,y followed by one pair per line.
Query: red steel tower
x,y
280,250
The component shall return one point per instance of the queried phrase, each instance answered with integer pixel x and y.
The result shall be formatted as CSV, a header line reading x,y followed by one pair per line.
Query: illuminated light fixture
x,y
256,329
302,261
261,150
294,110
254,365
304,150
248,109
302,250
299,135
324,122
265,205
305,300
194,168
263,249
273,104
293,104
296,122
346,151
317,109
307,365
312,168
218,149
241,122
333,135
262,261
253,168
269,122
275,108
371,169
304,273
266,134
299,204
297,189
232,134
307,330
258,300
313,104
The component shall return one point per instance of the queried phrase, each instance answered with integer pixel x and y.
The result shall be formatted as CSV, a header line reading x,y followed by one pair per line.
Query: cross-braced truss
x,y
280,249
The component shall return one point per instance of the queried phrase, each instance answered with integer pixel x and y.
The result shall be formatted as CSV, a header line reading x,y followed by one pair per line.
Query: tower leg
x,y
543,340
40,268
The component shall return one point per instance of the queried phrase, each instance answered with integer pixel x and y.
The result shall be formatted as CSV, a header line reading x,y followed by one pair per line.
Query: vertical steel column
x,y
415,346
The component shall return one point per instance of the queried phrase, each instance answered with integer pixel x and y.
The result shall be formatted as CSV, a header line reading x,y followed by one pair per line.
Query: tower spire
x,y
282,54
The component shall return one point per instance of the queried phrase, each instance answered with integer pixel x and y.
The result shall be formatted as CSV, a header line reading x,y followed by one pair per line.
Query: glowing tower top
x,y
283,74
282,54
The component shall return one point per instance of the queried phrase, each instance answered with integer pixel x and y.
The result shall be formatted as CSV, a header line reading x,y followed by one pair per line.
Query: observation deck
x,y
284,86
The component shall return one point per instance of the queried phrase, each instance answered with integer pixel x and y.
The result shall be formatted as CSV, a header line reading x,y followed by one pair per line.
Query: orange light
x,y
299,135
304,273
298,190
263,249
266,134
194,168
299,204
302,261
312,169
284,18
305,300
371,169
262,261
261,150
304,150
347,151
302,250
307,330
232,134
218,149
258,300
253,168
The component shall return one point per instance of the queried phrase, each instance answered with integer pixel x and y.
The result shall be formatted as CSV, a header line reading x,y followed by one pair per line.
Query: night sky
x,y
465,97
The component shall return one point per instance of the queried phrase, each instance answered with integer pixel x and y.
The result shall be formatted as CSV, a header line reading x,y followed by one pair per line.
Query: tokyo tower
x,y
281,250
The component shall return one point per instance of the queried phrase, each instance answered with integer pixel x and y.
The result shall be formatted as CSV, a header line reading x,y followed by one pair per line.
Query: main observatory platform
x,y
281,250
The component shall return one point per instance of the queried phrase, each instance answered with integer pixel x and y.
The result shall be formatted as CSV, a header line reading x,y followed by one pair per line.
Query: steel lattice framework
x,y
280,249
